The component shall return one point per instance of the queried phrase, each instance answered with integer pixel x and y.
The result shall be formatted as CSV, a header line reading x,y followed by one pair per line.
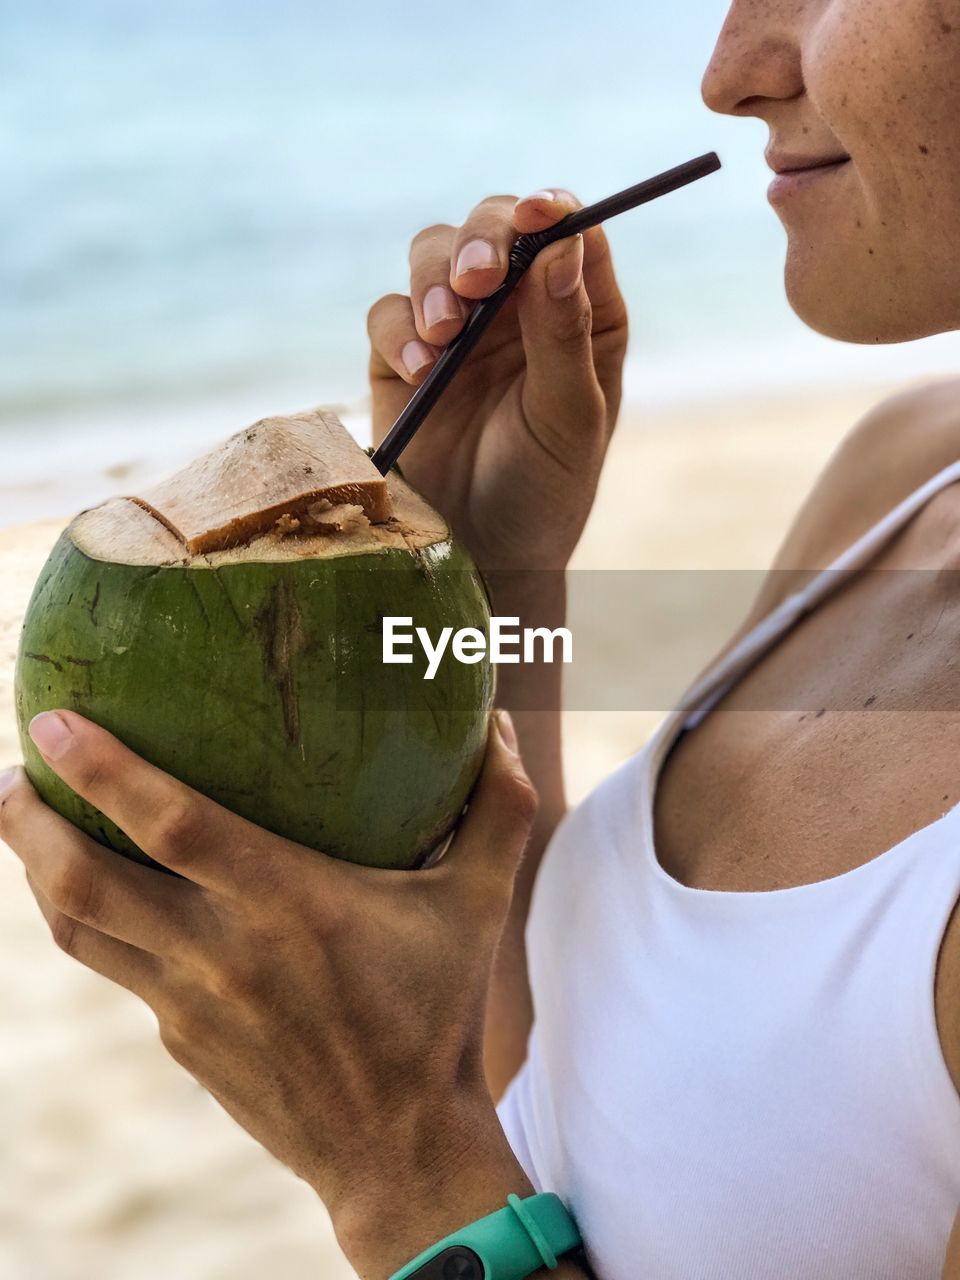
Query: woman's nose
x,y
756,59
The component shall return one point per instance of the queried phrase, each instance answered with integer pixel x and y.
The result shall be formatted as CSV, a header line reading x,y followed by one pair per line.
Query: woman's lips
x,y
793,178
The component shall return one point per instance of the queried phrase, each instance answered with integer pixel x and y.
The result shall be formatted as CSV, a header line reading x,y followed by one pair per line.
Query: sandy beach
x,y
116,1163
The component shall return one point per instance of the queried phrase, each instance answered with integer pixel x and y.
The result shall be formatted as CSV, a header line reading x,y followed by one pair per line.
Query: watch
x,y
510,1244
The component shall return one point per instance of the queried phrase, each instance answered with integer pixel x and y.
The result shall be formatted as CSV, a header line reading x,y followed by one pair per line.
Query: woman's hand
x,y
335,1011
512,453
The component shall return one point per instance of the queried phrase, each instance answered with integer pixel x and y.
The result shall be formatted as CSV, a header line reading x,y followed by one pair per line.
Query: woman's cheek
x,y
843,55
883,75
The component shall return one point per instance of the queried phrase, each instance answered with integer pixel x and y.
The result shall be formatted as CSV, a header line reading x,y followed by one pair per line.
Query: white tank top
x,y
741,1085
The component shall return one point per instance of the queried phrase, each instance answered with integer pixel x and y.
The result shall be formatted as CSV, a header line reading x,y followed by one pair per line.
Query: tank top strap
x,y
706,692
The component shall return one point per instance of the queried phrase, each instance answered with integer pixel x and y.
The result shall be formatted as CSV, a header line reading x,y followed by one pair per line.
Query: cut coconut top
x,y
280,468
127,531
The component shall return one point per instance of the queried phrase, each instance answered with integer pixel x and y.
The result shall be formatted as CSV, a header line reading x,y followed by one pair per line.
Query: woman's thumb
x,y
561,392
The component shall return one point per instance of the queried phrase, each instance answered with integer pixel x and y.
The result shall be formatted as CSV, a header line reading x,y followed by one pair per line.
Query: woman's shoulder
x,y
885,456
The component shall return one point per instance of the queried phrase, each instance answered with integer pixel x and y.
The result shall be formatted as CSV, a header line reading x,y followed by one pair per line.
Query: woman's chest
x,y
841,741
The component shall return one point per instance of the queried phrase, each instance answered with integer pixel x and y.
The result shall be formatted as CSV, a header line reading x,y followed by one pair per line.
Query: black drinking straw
x,y
525,249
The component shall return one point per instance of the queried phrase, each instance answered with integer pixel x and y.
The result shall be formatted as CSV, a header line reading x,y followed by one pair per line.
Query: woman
x,y
746,1051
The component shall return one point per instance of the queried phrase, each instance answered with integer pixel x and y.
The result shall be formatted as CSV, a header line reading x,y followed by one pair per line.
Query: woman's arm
x,y
379,1242
335,1011
539,601
951,1266
511,456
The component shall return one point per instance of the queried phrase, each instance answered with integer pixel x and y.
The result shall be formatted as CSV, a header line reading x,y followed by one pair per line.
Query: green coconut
x,y
227,626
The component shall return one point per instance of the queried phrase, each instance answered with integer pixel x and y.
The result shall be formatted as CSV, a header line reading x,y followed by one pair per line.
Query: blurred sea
x,y
203,198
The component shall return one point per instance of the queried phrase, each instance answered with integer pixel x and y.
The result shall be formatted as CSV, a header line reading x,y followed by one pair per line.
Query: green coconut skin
x,y
261,685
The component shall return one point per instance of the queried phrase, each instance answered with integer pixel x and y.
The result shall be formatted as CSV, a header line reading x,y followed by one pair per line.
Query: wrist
x,y
538,596
447,1178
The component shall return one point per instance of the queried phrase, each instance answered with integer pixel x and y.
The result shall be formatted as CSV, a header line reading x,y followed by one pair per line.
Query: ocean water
x,y
202,200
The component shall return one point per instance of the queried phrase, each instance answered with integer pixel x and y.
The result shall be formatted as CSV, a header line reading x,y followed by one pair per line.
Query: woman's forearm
x,y
383,1226
532,694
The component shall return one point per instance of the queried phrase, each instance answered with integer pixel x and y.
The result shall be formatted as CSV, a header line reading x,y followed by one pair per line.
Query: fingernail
x,y
439,304
415,355
7,779
507,732
51,734
564,274
538,195
476,254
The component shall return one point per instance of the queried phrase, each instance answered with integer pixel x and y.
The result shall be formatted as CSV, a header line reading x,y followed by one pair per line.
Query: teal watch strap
x,y
510,1244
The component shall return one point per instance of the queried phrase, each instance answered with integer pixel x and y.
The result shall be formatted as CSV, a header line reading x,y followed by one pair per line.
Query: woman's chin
x,y
864,311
